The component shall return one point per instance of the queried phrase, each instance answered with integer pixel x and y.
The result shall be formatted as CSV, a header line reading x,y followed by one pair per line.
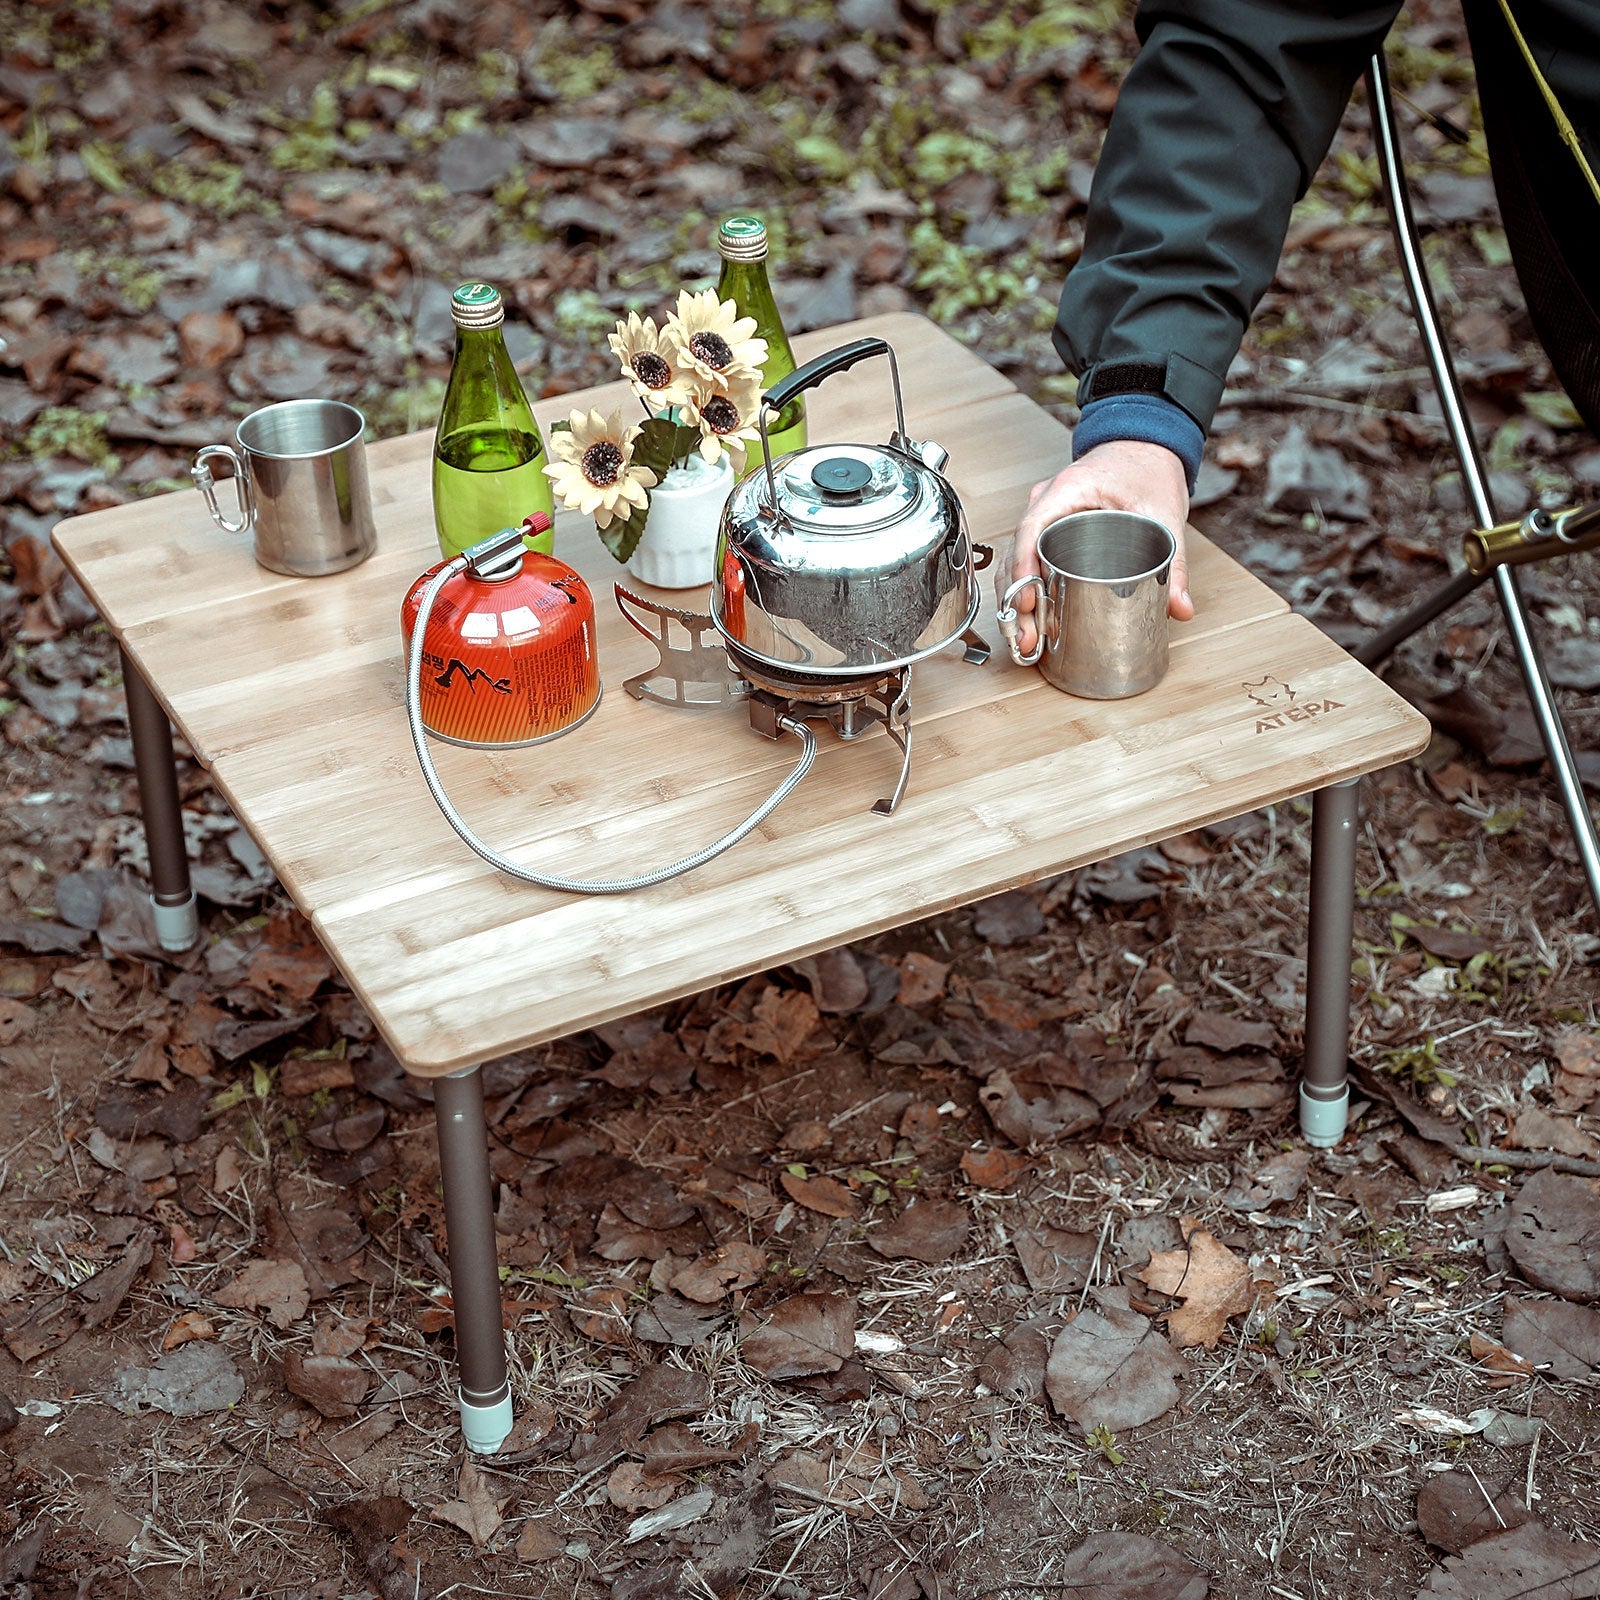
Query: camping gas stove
x,y
702,675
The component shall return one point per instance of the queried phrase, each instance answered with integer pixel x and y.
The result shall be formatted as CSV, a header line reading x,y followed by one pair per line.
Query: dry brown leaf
x,y
476,1508
16,1019
670,1319
812,1477
1578,1069
1109,1368
1187,849
1558,1339
1210,1280
539,1542
229,1171
825,1195
1453,1511
784,1019
631,1488
735,1266
1579,1053
1032,1113
661,1393
277,1288
1280,1179
919,1124
927,1230
191,1325
921,978
306,1077
1517,1564
290,960
804,1334
837,981
1537,1129
675,1447
1225,1031
1131,1566
1055,1260
1553,1234
602,1313
343,1336
1496,1358
149,1064
334,1385
994,1169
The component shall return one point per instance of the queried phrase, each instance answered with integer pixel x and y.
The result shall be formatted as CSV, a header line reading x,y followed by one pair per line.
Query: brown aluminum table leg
x,y
485,1393
1324,1083
177,920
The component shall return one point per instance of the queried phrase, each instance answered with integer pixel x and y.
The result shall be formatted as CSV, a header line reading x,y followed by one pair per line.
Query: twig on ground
x,y
1479,1154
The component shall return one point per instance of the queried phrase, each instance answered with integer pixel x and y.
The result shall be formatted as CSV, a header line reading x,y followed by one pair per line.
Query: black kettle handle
x,y
820,367
808,377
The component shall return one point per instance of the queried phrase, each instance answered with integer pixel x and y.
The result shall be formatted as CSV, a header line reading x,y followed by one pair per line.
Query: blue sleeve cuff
x,y
1146,418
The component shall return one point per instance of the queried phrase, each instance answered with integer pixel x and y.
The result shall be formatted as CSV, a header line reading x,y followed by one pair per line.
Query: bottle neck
x,y
480,346
746,282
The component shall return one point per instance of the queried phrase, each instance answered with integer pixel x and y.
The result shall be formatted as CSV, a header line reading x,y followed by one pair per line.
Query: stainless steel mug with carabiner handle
x,y
300,477
1101,606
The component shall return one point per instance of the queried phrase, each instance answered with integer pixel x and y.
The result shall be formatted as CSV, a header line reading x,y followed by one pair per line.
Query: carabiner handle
x,y
207,485
1006,616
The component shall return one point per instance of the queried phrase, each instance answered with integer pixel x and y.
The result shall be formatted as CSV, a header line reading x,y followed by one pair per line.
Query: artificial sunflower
x,y
727,421
649,361
713,340
594,471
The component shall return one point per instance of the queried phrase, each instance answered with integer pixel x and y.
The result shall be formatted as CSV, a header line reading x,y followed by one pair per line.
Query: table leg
x,y
177,920
485,1393
1324,1085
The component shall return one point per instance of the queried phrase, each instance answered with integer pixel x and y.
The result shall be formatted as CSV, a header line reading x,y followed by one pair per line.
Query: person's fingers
x,y
1179,606
1070,490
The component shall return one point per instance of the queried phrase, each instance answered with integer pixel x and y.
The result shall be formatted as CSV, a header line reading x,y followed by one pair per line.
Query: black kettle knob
x,y
841,477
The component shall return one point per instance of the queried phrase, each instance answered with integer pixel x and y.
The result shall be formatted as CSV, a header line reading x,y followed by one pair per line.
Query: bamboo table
x,y
289,691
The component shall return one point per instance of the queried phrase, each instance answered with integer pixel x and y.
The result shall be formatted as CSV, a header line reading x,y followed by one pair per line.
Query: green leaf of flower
x,y
621,535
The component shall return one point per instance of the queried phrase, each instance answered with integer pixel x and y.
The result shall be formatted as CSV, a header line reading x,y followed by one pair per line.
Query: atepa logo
x,y
1279,703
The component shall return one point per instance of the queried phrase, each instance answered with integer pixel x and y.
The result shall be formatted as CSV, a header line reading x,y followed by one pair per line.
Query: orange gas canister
x,y
509,655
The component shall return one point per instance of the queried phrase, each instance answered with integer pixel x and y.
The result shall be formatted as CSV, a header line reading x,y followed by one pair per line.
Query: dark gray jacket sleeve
x,y
1219,127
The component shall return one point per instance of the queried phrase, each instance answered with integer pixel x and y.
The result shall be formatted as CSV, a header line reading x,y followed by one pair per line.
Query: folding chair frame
x,y
1475,480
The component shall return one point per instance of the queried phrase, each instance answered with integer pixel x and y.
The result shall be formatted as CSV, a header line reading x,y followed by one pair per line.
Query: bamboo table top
x,y
290,692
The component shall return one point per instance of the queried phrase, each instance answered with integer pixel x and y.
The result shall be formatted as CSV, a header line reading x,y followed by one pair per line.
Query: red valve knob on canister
x,y
509,657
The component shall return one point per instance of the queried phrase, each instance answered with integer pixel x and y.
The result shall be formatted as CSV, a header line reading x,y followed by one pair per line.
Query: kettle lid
x,y
846,488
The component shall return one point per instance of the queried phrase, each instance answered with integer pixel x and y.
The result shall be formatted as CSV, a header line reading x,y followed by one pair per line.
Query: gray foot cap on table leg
x,y
485,1423
1324,1114
177,926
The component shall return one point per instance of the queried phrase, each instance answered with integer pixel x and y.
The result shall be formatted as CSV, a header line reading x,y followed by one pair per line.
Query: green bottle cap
x,y
477,305
743,239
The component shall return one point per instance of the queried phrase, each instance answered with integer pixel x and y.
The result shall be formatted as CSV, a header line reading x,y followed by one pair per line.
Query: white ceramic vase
x,y
679,542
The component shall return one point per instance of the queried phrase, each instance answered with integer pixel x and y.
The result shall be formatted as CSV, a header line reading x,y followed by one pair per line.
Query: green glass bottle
x,y
743,243
488,455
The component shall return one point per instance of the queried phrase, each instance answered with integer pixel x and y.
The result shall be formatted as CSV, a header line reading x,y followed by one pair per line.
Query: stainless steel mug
x,y
1101,609
300,475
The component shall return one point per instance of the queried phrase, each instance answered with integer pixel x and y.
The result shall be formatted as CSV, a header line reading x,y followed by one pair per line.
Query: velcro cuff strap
x,y
1146,419
1171,376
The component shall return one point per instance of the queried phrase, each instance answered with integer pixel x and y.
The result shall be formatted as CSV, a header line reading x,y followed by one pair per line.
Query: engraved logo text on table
x,y
1277,704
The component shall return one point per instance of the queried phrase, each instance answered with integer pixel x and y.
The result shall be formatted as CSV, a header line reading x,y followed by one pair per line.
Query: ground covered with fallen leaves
x,y
981,1259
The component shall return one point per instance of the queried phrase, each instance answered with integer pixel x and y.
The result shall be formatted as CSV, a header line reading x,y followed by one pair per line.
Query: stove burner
x,y
700,675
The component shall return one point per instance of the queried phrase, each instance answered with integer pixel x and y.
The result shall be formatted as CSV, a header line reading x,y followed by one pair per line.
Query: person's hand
x,y
1122,475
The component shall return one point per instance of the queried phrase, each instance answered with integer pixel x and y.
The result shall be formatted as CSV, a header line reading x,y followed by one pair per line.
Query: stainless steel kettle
x,y
845,559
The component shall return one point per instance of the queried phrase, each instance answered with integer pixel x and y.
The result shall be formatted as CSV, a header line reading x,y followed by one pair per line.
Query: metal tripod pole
x,y
485,1394
1474,479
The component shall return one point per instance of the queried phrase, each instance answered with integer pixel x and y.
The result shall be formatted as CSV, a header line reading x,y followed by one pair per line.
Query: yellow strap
x,y
1569,134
